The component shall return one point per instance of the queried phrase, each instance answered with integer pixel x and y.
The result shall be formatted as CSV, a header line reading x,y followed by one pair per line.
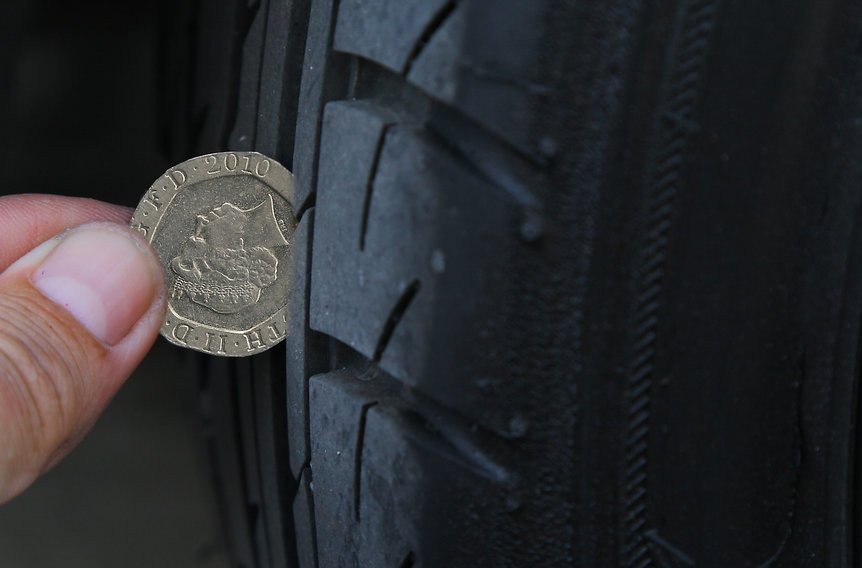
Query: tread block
x,y
435,69
408,478
244,127
503,94
352,133
318,84
337,402
434,233
384,31
433,43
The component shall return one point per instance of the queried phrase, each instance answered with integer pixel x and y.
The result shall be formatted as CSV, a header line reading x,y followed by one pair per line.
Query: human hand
x,y
78,311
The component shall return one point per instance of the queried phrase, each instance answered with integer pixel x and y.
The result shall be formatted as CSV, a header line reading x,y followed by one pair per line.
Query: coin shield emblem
x,y
222,225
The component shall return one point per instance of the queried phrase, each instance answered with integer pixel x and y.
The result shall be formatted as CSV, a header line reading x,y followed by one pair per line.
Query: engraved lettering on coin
x,y
222,225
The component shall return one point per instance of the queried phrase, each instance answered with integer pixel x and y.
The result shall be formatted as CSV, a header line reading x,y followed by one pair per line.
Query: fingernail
x,y
100,276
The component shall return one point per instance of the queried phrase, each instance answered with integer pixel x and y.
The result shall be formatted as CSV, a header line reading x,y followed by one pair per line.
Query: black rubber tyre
x,y
577,283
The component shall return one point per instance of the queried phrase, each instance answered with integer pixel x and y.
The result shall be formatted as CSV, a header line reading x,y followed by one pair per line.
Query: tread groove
x,y
433,25
373,74
688,50
369,187
246,14
398,311
308,205
409,561
357,463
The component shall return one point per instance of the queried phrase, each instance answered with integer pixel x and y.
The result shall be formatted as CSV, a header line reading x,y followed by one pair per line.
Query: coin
x,y
222,225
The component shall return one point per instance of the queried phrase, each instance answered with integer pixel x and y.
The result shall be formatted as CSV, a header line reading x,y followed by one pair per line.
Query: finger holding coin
x,y
222,225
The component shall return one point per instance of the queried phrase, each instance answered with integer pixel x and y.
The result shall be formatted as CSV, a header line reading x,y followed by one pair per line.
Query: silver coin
x,y
222,225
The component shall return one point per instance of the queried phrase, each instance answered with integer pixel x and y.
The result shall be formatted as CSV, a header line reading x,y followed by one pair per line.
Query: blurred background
x,y
79,115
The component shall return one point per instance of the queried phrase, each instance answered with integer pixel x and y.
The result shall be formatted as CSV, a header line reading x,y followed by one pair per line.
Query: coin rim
x,y
147,219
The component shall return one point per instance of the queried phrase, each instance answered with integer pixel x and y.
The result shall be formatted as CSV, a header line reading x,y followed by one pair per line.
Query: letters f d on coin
x,y
222,225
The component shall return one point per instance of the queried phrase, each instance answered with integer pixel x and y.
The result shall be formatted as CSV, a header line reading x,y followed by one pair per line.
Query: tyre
x,y
577,283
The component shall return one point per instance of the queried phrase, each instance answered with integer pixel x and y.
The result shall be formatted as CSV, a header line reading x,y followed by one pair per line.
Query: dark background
x,y
79,115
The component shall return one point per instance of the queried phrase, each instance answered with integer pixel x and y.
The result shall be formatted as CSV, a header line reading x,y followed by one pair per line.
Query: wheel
x,y
577,283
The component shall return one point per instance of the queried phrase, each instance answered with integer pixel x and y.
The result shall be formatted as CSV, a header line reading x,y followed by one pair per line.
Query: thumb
x,y
77,314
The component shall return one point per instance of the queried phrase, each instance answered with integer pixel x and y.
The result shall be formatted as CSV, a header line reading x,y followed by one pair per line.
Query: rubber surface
x,y
580,281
